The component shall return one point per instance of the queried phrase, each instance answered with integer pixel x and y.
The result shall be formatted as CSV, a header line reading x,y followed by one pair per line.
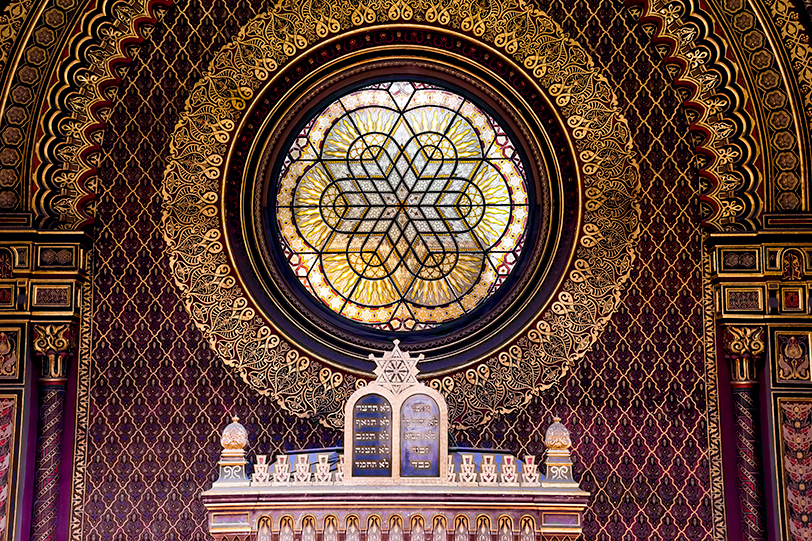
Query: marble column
x,y
744,350
53,346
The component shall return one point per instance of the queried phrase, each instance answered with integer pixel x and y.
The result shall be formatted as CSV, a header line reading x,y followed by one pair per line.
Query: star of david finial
x,y
396,369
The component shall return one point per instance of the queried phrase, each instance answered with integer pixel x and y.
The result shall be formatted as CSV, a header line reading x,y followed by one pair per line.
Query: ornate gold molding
x,y
744,71
716,107
245,338
64,166
61,60
53,345
745,346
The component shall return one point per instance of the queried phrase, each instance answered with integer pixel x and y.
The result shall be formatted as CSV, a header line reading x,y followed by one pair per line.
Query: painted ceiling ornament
x,y
516,366
745,170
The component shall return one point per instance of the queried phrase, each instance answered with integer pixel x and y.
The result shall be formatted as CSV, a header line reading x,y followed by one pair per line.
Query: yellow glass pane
x,y
407,206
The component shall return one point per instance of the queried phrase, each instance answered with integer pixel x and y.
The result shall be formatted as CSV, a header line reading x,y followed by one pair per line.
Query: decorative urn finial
x,y
234,438
558,462
557,436
232,463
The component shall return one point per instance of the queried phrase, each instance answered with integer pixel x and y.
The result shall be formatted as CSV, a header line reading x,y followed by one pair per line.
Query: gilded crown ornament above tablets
x,y
396,369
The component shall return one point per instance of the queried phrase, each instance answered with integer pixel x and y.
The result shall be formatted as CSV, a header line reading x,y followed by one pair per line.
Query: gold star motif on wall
x,y
396,369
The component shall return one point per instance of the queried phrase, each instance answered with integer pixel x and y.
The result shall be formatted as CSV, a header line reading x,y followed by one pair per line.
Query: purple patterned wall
x,y
636,405
8,429
796,461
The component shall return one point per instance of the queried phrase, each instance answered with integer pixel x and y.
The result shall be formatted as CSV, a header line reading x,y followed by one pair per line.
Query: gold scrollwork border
x,y
246,339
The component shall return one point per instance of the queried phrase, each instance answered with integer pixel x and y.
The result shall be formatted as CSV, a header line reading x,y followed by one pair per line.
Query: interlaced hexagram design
x,y
402,206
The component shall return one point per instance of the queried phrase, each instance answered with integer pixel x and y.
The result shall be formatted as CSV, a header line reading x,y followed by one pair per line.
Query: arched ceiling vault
x,y
62,64
743,70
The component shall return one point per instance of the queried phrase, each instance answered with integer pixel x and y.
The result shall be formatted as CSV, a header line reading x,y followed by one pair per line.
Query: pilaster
x,y
744,350
42,274
54,346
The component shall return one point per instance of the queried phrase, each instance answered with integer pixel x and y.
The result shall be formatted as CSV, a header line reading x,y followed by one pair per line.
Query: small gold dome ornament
x,y
232,464
558,462
557,436
235,436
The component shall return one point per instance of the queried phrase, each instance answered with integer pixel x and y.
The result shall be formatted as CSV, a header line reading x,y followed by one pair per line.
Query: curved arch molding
x,y
62,74
744,71
524,364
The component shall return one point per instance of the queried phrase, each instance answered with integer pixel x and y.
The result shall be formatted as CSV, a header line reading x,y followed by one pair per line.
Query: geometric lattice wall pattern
x,y
156,397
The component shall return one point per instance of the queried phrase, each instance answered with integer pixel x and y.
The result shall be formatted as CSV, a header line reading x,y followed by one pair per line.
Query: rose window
x,y
402,206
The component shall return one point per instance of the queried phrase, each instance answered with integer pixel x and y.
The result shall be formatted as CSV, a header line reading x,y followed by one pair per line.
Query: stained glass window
x,y
402,206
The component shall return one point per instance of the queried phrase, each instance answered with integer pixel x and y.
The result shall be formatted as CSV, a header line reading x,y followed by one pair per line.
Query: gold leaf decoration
x,y
249,341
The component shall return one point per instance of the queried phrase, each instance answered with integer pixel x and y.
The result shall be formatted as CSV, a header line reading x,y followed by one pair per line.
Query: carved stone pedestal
x,y
395,480
426,513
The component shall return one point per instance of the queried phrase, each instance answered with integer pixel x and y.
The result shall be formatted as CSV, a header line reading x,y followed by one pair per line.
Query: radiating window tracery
x,y
402,206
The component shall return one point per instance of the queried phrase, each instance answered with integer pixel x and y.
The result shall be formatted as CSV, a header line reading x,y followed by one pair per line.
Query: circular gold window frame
x,y
255,191
412,296
246,340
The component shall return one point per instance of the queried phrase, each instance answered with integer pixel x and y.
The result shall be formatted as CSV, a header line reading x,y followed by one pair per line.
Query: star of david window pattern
x,y
402,206
397,371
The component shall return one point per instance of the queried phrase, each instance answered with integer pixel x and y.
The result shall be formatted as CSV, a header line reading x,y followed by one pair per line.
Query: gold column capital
x,y
53,345
744,348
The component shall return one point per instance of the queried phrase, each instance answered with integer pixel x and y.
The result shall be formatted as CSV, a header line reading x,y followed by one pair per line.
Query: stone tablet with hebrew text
x,y
419,437
372,445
